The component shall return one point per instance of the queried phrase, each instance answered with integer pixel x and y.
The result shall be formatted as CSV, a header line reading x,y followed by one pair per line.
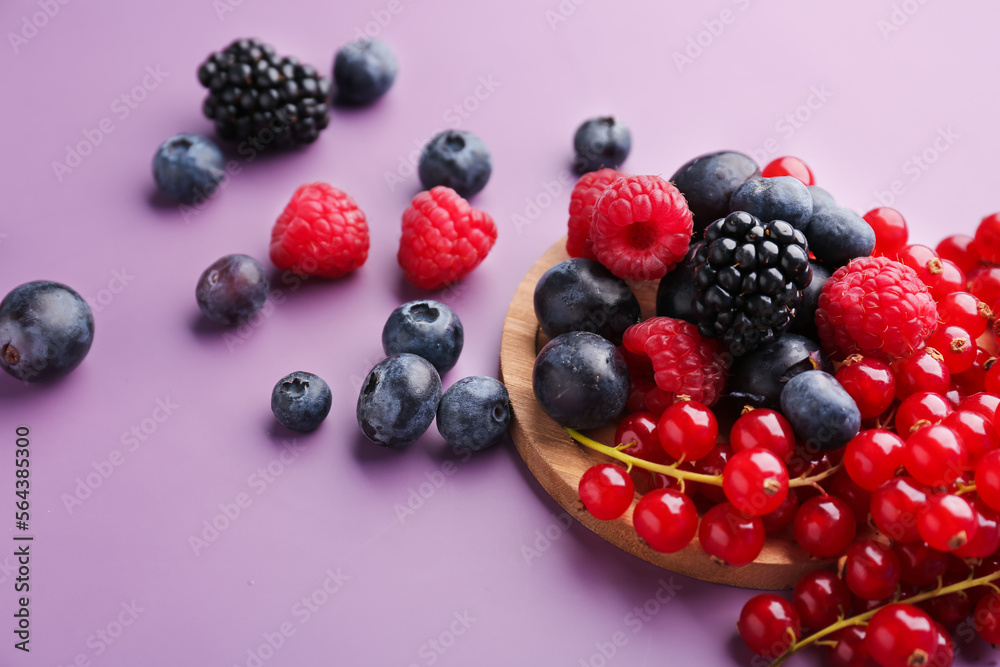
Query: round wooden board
x,y
558,462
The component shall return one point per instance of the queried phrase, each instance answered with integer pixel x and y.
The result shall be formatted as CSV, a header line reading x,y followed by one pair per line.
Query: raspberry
x,y
874,306
581,210
443,238
677,359
321,232
641,227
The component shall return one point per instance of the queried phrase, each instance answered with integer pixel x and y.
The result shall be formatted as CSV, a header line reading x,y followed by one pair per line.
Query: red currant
x,y
962,309
983,403
606,491
777,520
824,526
919,564
944,277
988,479
849,649
947,522
918,257
944,656
730,536
821,598
949,610
987,538
973,380
991,380
769,624
921,370
901,635
763,428
666,520
956,346
984,283
712,464
873,456
925,408
935,455
789,166
755,481
640,428
657,480
871,571
688,430
890,230
869,382
976,433
987,617
894,508
959,249
987,241
858,499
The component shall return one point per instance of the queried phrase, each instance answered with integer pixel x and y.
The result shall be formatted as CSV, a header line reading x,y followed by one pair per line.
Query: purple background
x,y
880,94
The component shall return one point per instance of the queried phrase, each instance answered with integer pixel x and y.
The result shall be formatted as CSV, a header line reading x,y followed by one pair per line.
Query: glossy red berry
x,y
988,479
944,656
789,166
956,346
947,522
606,491
777,520
640,428
873,456
769,624
944,277
755,481
821,598
987,240
763,428
666,520
688,430
901,635
986,618
858,499
983,403
959,249
824,526
918,257
986,541
991,380
849,648
890,230
935,455
962,309
924,408
870,383
984,283
712,464
871,571
894,508
973,380
951,609
921,370
976,433
729,536
919,564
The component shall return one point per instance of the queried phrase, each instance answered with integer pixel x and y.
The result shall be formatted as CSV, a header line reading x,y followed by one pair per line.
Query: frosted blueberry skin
x,y
837,235
821,412
188,168
821,198
708,183
581,380
582,295
778,198
474,413
758,377
46,330
601,142
364,71
458,160
301,401
232,289
398,400
428,329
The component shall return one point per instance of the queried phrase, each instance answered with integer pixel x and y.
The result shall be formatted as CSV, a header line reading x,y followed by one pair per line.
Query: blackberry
x,y
254,93
749,279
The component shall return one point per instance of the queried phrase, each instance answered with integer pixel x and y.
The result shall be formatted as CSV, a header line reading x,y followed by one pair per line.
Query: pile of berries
x,y
808,374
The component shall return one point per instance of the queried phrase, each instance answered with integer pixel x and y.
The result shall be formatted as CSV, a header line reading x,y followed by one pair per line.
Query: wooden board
x,y
558,462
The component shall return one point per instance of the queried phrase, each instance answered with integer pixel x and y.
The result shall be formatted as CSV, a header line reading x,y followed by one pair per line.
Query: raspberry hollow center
x,y
641,235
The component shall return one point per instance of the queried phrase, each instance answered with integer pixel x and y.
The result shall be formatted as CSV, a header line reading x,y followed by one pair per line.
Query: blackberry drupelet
x,y
254,93
749,279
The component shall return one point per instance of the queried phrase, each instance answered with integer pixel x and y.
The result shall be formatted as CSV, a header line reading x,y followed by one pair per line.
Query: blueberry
x,y
821,412
804,322
301,401
581,380
46,330
363,71
582,295
232,289
398,400
677,291
821,198
757,378
429,329
778,198
474,413
708,183
599,143
837,235
188,168
458,160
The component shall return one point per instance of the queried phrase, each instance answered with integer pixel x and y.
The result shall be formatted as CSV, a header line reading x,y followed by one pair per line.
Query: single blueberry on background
x,y
778,198
232,289
708,183
821,412
46,330
601,142
428,329
301,401
364,71
188,168
398,400
458,160
474,413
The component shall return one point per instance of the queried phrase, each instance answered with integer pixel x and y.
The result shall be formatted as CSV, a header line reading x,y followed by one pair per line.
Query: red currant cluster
x,y
908,512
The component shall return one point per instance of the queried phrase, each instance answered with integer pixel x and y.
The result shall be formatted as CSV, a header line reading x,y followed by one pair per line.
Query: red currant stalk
x,y
679,473
861,619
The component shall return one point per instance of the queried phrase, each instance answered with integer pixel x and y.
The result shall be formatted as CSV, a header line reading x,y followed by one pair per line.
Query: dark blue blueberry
x,y
429,329
46,330
581,380
676,294
837,235
599,143
363,71
821,412
232,289
301,401
456,159
188,168
821,198
474,413
778,198
582,295
757,378
804,322
708,183
398,400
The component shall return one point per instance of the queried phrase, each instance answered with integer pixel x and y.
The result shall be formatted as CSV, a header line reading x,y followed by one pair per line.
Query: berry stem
x,y
674,471
860,619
